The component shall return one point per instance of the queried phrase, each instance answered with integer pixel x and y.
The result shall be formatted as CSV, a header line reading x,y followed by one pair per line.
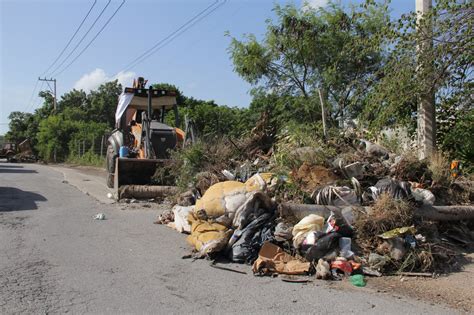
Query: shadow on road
x,y
14,199
10,166
14,169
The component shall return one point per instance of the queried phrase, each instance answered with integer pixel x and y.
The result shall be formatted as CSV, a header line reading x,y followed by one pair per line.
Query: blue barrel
x,y
123,152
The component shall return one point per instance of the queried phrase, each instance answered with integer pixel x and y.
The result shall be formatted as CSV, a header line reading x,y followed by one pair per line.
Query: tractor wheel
x,y
10,157
110,160
110,180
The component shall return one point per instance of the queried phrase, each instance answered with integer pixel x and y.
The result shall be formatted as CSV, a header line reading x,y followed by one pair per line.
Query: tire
x,y
10,157
110,180
110,160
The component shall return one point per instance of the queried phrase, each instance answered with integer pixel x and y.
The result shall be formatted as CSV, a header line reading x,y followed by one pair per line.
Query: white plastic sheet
x,y
124,101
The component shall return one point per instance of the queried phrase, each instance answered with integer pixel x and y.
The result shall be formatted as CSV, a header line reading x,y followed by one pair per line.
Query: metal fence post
x,y
102,146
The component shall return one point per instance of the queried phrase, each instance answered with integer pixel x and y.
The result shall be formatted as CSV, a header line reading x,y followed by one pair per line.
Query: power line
x,y
33,93
190,23
31,104
70,40
129,65
92,40
83,37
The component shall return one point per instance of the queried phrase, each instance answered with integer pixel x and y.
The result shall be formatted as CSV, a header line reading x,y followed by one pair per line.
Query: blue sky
x,y
33,33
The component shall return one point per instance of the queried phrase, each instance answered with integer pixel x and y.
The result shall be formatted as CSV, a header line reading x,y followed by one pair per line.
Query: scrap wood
x,y
416,274
428,212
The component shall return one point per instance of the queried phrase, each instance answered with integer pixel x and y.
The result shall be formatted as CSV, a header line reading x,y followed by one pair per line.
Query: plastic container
x,y
123,152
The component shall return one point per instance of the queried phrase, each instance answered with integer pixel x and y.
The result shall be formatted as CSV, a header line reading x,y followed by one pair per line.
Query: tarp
x,y
124,101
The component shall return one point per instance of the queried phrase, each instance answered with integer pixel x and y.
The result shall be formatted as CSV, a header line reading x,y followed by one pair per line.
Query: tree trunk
x,y
146,192
434,213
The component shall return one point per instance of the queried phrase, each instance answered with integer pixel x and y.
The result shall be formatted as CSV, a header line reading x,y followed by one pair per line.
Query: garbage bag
x,y
310,223
335,196
358,280
283,232
377,261
339,195
396,189
423,195
338,223
235,199
272,259
260,182
373,149
207,237
181,223
310,239
323,246
246,243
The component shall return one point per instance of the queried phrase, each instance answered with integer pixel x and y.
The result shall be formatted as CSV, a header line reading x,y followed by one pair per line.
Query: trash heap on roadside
x,y
365,212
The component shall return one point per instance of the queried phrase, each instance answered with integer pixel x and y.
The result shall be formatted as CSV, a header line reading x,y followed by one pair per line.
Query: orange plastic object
x,y
345,266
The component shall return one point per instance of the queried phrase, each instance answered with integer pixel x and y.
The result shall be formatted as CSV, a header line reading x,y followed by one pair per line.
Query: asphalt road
x,y
54,258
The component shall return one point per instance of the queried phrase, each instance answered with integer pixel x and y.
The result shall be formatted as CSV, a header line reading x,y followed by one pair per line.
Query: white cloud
x,y
91,81
314,4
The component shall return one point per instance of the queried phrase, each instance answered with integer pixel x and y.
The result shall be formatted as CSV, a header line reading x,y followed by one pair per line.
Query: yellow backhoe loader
x,y
142,141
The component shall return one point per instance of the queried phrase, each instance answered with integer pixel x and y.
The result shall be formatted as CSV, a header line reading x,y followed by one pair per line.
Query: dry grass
x,y
439,167
387,214
410,168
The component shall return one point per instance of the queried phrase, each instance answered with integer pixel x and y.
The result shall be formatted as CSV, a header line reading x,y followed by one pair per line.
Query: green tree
x,y
102,103
331,49
18,126
394,98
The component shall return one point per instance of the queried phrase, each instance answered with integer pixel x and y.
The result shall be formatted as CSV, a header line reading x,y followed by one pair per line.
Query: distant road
x,y
54,258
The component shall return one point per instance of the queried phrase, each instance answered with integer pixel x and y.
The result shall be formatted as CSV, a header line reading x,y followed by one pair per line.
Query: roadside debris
x,y
99,216
350,209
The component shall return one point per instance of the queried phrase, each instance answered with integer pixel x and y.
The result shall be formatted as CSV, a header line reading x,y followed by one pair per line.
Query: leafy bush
x,y
289,150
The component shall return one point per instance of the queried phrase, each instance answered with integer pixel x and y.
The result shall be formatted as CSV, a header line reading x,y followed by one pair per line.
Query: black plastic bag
x,y
323,246
252,237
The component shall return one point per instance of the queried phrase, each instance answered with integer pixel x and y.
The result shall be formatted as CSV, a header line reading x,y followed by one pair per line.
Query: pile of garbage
x,y
363,212
241,223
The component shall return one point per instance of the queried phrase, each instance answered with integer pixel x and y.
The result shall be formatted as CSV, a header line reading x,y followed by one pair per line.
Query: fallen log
x,y
146,192
426,212
445,213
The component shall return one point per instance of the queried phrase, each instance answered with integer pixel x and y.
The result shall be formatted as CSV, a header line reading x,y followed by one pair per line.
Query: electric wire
x,y
32,93
92,40
31,105
81,40
70,40
168,39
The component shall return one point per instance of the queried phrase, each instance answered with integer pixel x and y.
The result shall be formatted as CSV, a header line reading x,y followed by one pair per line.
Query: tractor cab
x,y
134,119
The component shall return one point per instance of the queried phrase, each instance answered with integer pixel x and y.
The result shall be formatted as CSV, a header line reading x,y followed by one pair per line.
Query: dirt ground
x,y
455,290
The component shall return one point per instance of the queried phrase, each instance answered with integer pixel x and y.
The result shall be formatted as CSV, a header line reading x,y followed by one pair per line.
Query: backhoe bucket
x,y
134,179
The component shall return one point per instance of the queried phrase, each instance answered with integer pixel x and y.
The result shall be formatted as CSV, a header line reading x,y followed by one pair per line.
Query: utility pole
x,y
54,103
426,118
52,90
